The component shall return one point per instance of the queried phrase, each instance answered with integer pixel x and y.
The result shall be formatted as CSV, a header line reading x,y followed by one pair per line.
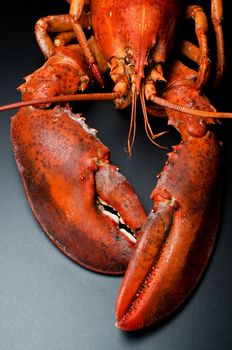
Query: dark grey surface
x,y
48,302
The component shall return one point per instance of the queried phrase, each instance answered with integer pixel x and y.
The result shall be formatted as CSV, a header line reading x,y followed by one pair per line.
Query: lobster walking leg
x,y
217,15
47,25
201,29
76,9
71,24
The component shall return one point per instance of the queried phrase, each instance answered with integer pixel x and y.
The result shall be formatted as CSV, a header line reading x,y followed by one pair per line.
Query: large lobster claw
x,y
178,236
71,186
176,240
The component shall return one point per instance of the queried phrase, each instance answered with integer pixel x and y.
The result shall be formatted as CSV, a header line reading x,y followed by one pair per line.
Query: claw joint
x,y
166,198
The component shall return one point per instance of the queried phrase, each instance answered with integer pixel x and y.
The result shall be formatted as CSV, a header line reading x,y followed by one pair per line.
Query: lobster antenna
x,y
197,112
148,129
62,98
111,96
132,129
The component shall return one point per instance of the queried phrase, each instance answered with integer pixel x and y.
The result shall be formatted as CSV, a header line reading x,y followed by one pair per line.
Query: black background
x,y
48,302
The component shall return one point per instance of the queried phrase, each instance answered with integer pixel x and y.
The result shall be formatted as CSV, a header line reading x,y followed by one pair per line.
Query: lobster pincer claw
x,y
71,187
177,237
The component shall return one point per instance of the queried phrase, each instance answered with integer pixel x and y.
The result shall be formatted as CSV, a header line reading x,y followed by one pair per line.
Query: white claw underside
x,y
109,211
114,217
128,235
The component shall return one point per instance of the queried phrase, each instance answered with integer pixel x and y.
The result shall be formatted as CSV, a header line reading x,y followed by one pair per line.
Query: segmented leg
x,y
64,38
201,29
66,25
76,9
190,50
217,15
196,12
61,24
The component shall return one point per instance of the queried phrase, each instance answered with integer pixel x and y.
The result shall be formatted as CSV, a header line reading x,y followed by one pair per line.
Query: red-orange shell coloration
x,y
65,169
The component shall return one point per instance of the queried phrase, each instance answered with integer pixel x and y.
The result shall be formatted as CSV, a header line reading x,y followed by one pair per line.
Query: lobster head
x,y
141,37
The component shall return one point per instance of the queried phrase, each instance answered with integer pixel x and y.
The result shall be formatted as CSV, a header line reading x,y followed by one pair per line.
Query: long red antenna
x,y
111,96
62,98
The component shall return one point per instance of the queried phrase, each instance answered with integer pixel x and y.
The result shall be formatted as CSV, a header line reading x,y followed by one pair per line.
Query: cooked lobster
x,y
65,169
